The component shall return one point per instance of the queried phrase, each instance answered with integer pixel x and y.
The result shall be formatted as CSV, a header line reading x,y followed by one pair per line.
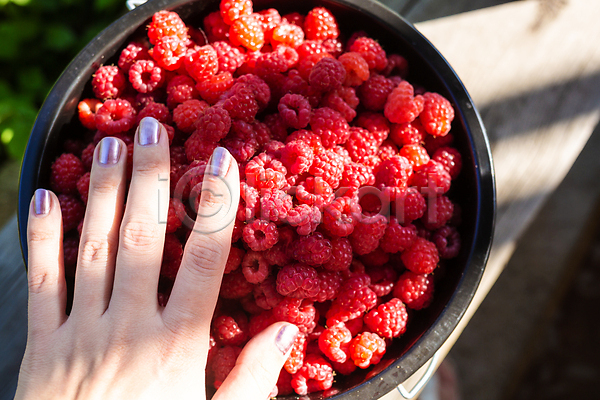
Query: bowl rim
x,y
92,55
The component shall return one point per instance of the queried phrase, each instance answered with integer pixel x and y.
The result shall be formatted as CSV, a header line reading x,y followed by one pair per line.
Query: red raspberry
x,y
214,87
433,143
396,65
265,172
223,362
408,204
388,320
87,156
294,18
305,218
330,125
395,171
145,76
83,187
354,298
375,123
247,31
180,89
87,110
316,374
135,51
216,29
234,260
398,238
341,255
334,342
437,114
275,205
261,91
168,52
241,149
72,210
229,57
166,23
375,91
341,216
329,283
279,254
314,192
176,212
269,66
415,154
383,277
268,19
327,74
277,127
408,133
202,64
65,173
259,322
450,158
355,35
432,179
284,383
197,148
172,255
357,69
187,113
294,110
333,47
313,249
447,241
367,349
70,251
310,47
367,233
297,311
371,51
402,105
115,116
361,144
240,102
158,111
213,123
230,330
343,100
298,281
329,166
234,9
266,294
387,150
287,34
297,157
320,24
108,82
255,267
357,175
422,257
296,358
439,212
235,286
415,290
260,235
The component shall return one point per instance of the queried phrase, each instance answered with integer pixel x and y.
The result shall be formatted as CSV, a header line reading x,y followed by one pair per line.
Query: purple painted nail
x,y
285,338
41,202
220,162
110,151
149,132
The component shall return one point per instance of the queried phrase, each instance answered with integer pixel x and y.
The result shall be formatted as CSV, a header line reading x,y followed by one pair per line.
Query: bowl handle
x,y
422,382
131,4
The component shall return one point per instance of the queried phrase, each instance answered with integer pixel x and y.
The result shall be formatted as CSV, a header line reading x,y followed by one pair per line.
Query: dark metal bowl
x,y
474,190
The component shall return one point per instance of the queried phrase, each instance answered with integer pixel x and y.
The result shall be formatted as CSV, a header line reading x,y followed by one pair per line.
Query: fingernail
x,y
285,337
149,132
41,202
110,151
219,162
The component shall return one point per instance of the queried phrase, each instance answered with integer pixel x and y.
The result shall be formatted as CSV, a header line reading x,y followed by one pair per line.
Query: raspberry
x,y
241,149
223,362
234,260
314,192
275,204
361,144
354,298
260,235
447,241
297,157
432,179
371,51
288,35
343,100
247,31
268,19
387,149
305,218
439,212
70,251
72,210
297,311
108,82
375,259
402,106
415,290
176,211
265,172
202,64
294,110
341,216
65,173
396,65
437,114
450,158
134,51
333,47
334,342
87,110
172,255
320,24
313,249
296,358
298,281
158,111
197,148
388,320
229,57
374,92
214,87
415,154
422,257
261,91
408,133
294,18
87,156
213,123
355,35
357,69
115,116
329,283
186,114
235,286
166,23
83,187
216,29
407,204
375,123
395,171
367,233
255,267
168,52
357,175
240,102
330,126
269,66
316,374
341,255
260,322
234,9
327,74
310,47
277,127
230,331
279,254
145,76
367,349
398,238
383,277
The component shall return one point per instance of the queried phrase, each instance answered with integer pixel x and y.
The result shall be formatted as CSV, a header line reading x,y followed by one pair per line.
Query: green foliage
x,y
39,39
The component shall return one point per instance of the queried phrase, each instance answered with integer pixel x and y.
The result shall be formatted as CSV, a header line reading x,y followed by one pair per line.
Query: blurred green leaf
x,y
32,80
59,37
102,5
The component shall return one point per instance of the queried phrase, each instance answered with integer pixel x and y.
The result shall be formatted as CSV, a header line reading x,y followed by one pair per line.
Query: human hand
x,y
118,342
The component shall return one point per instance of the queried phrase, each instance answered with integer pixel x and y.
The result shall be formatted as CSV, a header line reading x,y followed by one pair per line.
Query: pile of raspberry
x,y
345,169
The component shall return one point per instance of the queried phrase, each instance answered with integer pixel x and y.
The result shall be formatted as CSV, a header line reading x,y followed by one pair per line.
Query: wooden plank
x,y
535,76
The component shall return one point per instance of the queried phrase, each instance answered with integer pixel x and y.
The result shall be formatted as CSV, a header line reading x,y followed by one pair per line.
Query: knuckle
x,y
204,256
106,185
38,282
95,250
40,236
137,234
149,166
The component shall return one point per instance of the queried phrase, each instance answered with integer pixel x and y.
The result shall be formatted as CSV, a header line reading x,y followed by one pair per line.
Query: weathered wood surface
x,y
533,70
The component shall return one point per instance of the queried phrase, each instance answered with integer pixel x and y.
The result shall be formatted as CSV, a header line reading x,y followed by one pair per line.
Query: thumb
x,y
258,365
